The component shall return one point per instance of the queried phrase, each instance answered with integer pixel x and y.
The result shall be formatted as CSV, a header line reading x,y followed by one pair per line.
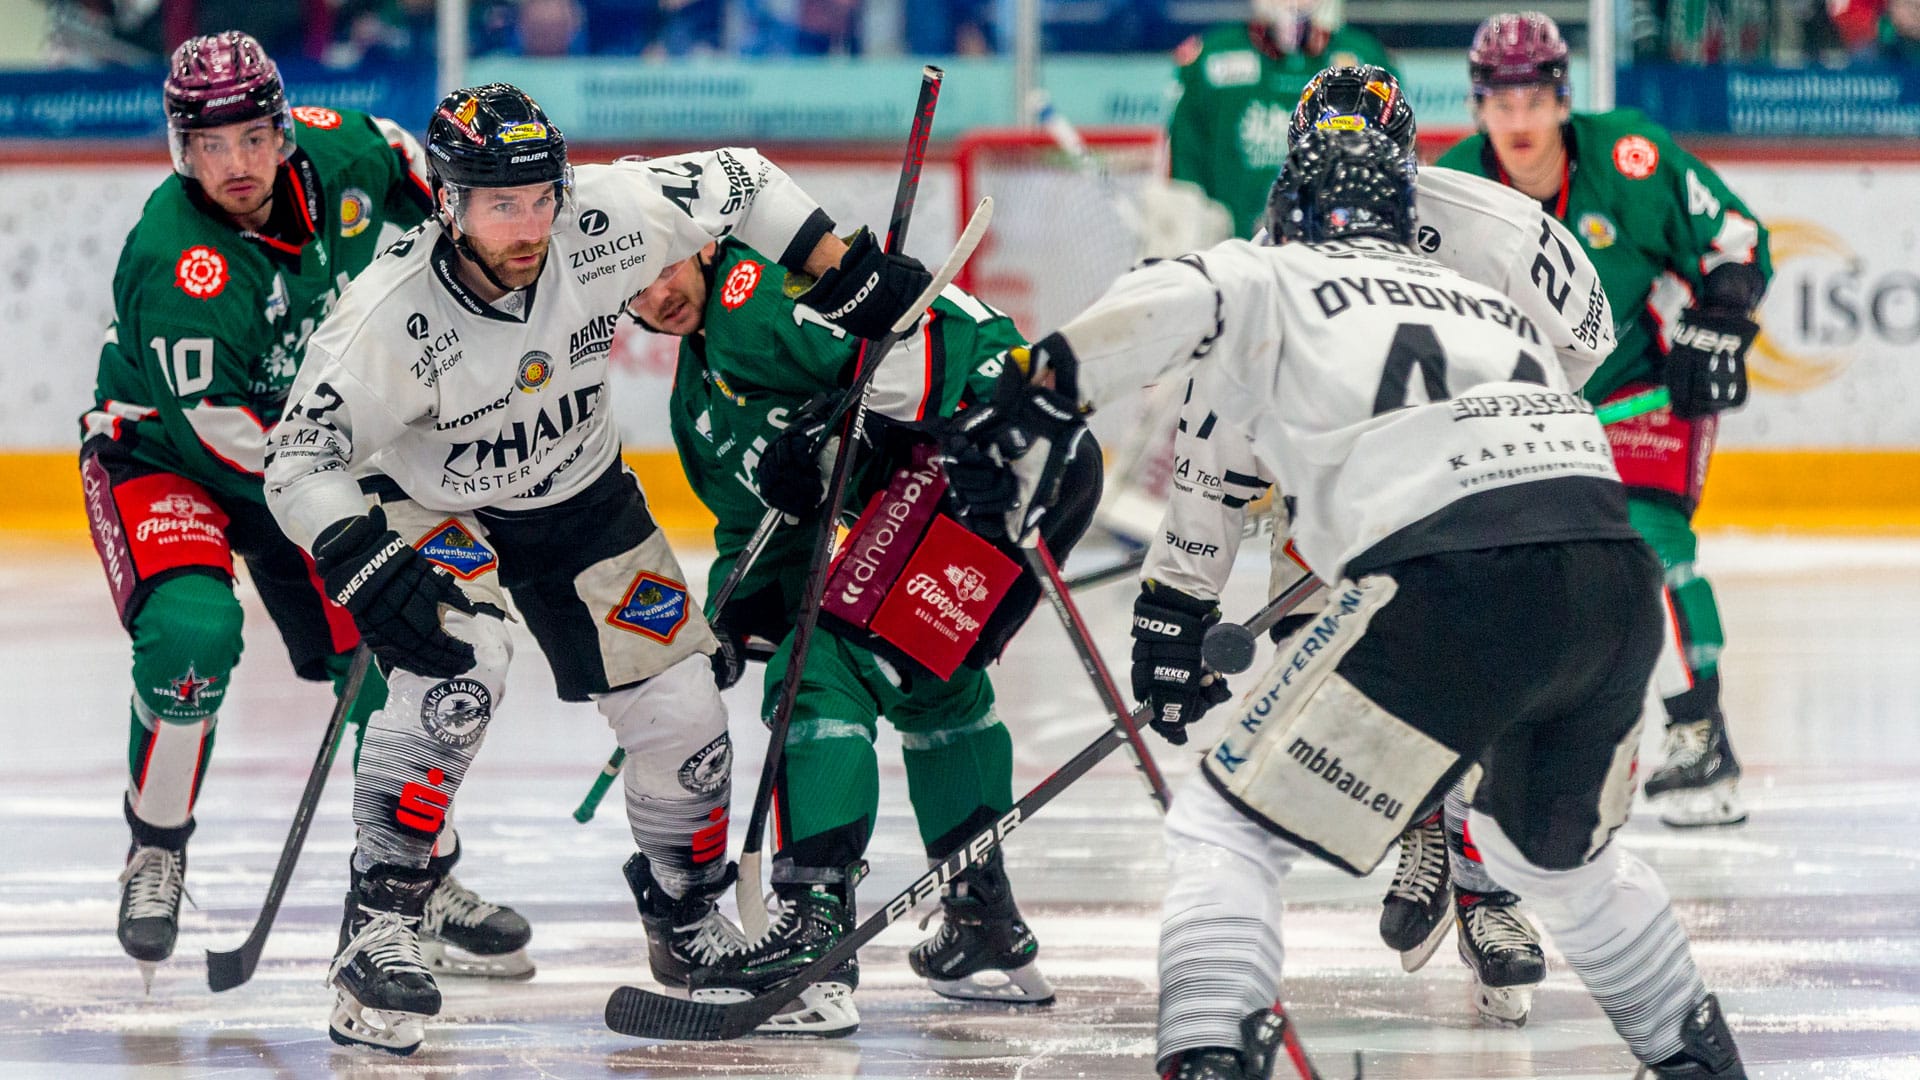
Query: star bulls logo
x,y
187,688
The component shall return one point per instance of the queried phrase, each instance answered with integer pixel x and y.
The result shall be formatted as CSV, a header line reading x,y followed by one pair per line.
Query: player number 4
x,y
191,367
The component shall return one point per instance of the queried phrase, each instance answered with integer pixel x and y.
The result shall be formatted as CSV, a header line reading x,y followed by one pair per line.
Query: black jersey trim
x,y
443,263
1536,512
805,239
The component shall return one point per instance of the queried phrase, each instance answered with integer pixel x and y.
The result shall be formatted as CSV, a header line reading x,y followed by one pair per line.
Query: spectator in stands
x,y
551,28
956,28
1884,30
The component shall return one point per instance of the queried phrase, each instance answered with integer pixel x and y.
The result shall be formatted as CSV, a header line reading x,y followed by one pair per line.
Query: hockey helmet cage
x,y
1522,48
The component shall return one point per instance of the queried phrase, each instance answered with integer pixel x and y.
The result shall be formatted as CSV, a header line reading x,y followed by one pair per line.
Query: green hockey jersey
x,y
1654,219
1229,129
210,321
761,357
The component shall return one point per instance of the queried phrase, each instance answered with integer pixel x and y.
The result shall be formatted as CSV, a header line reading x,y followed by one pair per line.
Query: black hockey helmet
x,y
494,136
1349,98
1337,185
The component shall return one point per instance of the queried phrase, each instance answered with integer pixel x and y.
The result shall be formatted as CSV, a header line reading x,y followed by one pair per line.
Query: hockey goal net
x,y
1064,226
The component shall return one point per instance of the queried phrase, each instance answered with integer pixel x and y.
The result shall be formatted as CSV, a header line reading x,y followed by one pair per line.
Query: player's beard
x,y
500,262
243,206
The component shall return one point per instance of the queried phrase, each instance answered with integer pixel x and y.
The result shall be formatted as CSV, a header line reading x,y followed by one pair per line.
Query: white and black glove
x,y
1169,676
395,595
790,474
1004,457
867,292
1706,368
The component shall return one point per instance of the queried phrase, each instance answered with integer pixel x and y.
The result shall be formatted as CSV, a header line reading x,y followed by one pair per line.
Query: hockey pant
x,y
958,756
611,609
1334,753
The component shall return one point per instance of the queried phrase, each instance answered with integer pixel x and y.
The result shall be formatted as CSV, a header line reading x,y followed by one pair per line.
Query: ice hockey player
x,y
1445,474
1684,258
237,256
757,375
449,443
1238,86
1489,234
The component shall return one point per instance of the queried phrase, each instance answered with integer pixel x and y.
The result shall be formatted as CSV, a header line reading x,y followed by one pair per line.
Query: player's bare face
x,y
676,303
509,230
1523,123
235,164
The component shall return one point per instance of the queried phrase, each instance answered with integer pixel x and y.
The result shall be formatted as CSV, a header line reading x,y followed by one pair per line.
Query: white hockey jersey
x,y
466,404
1484,231
1383,389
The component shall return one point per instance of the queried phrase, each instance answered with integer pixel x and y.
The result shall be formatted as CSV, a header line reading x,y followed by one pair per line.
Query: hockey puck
x,y
1228,648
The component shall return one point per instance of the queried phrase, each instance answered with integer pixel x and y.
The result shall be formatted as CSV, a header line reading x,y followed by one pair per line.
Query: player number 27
x,y
1415,345
190,369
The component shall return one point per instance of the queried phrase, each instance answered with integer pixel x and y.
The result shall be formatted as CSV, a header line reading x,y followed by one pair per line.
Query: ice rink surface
x,y
1806,920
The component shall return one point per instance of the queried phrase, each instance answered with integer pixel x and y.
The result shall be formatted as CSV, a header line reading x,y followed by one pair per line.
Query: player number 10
x,y
192,368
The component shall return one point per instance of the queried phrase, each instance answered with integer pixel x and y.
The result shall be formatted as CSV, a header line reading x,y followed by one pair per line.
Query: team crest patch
x,y
190,689
1597,231
454,547
741,281
1636,157
706,770
356,212
535,369
201,272
655,607
455,712
316,117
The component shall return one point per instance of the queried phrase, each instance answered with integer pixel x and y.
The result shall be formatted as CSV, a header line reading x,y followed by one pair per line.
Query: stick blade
x,y
226,970
644,1014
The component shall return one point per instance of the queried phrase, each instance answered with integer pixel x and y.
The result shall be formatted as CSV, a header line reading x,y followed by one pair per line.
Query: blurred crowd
x,y
343,33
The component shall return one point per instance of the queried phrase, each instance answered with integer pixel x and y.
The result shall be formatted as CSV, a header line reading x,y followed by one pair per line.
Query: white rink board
x,y
1832,370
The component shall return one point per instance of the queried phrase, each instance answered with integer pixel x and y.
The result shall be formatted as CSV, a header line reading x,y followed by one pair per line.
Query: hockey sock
x,y
1463,858
1614,923
829,791
1671,536
1220,951
953,774
186,643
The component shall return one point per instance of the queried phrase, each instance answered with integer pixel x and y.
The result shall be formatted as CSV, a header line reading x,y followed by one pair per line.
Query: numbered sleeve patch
x,y
453,546
655,607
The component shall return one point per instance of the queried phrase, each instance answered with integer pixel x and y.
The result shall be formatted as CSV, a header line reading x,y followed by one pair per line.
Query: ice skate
x,y
984,950
1413,917
1707,1050
385,992
461,934
1265,1037
1502,949
150,890
806,921
683,933
1699,784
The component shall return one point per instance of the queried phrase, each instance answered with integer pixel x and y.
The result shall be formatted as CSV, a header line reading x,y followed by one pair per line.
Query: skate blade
x,y
353,1024
444,959
822,1011
1024,985
1502,1006
1414,959
148,968
1713,805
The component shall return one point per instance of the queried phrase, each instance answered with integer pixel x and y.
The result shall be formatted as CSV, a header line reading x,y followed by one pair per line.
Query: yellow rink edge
x,y
1843,491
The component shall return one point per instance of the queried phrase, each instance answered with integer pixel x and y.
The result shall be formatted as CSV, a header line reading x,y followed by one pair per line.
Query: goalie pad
x,y
1315,761
1661,455
910,584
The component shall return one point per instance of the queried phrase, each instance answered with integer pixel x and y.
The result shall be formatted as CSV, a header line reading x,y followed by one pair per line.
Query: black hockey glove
x,y
730,659
867,292
789,474
1707,363
1168,674
1004,457
395,596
